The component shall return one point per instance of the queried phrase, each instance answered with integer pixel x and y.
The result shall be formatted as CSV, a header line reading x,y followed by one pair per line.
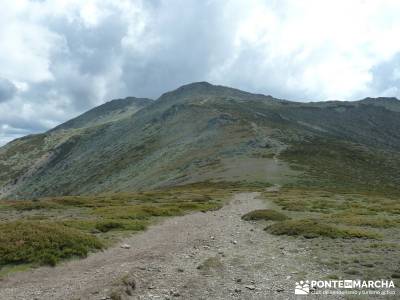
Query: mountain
x,y
108,112
202,132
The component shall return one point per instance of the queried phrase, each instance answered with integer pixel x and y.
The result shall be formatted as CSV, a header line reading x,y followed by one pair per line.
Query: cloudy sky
x,y
59,58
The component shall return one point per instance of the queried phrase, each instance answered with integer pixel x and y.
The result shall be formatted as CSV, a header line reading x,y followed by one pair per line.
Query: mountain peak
x,y
203,89
390,103
378,99
196,85
107,112
192,89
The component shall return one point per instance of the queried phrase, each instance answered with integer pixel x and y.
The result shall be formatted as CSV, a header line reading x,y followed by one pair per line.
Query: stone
x,y
176,294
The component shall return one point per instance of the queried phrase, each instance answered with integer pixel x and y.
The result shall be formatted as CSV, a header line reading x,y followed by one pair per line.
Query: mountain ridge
x,y
197,132
101,114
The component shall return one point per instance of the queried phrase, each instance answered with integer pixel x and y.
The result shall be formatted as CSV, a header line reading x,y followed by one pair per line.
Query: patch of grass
x,y
107,225
9,269
332,277
313,228
210,264
390,206
84,225
387,247
144,212
264,214
396,275
339,165
104,225
42,243
352,272
289,204
53,228
93,201
140,212
31,205
363,220
116,295
343,216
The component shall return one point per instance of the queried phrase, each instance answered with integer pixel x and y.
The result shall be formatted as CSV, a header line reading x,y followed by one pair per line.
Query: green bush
x,y
362,220
55,228
314,228
42,242
107,225
21,205
264,214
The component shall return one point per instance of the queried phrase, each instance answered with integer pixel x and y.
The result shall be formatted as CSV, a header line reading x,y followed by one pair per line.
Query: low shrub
x,y
265,214
42,242
314,228
21,205
140,212
107,225
364,220
210,264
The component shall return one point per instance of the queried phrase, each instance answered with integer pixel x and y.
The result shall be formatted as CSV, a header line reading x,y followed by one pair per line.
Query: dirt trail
x,y
237,259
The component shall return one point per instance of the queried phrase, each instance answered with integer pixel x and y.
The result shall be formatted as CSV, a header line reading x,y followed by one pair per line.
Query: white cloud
x,y
312,49
62,57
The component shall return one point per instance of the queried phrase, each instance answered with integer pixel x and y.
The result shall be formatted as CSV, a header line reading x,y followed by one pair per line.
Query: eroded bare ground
x,y
213,255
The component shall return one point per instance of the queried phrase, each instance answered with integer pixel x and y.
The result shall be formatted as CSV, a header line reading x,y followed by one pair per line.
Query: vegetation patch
x,y
313,228
141,212
47,230
105,225
211,264
344,216
32,205
42,243
264,214
339,165
352,219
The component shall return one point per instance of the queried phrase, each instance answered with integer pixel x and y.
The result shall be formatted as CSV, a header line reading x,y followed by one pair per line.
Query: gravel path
x,y
213,255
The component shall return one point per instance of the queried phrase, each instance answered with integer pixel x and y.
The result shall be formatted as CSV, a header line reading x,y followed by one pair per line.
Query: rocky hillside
x,y
204,132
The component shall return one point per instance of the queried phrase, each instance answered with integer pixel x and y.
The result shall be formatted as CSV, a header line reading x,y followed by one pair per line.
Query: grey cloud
x,y
386,77
177,42
192,39
7,90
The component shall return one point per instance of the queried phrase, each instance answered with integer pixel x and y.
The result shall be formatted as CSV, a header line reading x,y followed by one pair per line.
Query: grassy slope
x,y
205,132
354,234
33,154
346,201
45,231
162,145
343,166
347,153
